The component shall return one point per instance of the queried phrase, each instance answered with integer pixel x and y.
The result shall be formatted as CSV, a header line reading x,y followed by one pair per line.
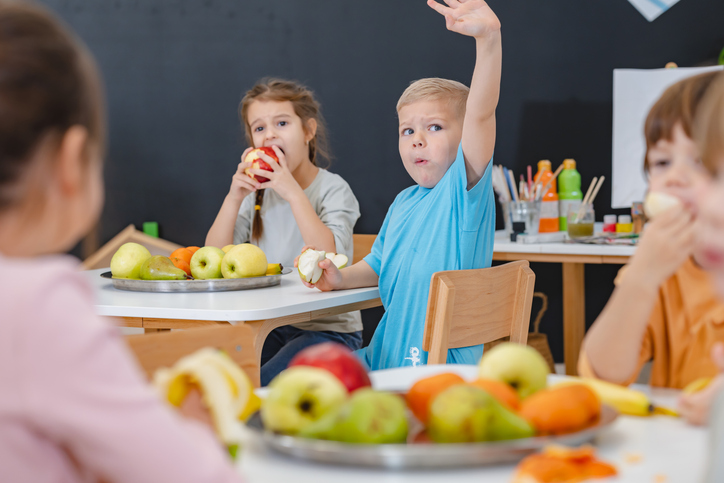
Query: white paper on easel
x,y
635,91
651,9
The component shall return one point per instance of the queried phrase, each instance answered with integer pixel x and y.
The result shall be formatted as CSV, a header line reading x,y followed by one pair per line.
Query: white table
x,y
573,257
263,309
663,445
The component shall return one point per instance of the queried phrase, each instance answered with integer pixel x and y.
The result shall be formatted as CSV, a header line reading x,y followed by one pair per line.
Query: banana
x,y
273,268
624,400
225,389
696,385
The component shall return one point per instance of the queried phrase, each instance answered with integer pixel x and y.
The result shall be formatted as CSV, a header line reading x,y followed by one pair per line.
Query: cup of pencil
x,y
527,212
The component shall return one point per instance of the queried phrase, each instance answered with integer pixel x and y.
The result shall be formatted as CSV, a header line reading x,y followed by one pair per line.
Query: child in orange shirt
x,y
664,308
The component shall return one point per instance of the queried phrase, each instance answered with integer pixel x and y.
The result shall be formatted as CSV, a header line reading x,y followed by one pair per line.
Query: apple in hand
x,y
519,366
245,260
658,202
337,359
127,261
258,163
300,396
206,263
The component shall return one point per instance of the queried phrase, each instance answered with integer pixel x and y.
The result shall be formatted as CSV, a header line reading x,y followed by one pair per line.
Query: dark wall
x,y
176,70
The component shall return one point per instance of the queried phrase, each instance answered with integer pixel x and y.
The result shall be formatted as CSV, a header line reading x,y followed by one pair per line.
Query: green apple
x,y
127,261
466,414
308,265
371,417
300,396
206,263
657,202
245,260
519,366
339,259
159,267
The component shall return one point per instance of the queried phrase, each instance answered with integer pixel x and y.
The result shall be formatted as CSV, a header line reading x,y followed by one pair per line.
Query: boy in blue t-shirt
x,y
447,220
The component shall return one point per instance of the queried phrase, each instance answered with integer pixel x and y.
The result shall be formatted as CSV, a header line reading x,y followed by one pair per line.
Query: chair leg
x,y
442,320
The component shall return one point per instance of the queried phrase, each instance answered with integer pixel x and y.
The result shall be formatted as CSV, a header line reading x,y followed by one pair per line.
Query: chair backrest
x,y
163,349
471,307
362,246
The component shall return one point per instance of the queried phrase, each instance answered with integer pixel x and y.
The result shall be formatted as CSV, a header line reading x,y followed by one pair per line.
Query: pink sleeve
x,y
82,389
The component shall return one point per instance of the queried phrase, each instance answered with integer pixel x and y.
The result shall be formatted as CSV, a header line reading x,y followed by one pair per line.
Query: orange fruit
x,y
193,249
421,394
563,464
182,264
183,254
500,391
561,409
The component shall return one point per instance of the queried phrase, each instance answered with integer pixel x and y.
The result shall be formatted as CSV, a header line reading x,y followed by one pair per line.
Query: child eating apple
x,y
664,308
290,203
447,220
74,406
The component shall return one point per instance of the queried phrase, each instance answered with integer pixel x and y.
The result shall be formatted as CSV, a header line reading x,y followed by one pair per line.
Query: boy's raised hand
x,y
473,18
331,278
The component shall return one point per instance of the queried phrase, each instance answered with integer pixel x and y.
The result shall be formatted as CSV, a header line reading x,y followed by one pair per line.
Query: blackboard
x,y
175,71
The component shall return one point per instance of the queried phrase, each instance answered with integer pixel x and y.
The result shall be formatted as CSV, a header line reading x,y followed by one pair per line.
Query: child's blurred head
x,y
52,133
709,134
672,158
285,114
430,113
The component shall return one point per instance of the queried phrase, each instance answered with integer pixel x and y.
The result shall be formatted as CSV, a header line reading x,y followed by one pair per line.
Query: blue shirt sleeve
x,y
374,259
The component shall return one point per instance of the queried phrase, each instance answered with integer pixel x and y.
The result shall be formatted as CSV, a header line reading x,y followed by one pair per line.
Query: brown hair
x,y
678,104
305,106
434,89
709,125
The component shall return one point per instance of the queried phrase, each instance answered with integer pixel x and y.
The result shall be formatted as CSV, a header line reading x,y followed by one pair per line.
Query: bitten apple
x,y
338,360
258,163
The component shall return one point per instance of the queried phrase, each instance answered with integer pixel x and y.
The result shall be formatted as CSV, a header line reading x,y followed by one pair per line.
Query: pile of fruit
x,y
326,394
134,261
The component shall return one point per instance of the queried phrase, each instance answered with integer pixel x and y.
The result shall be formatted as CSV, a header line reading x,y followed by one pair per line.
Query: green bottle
x,y
569,191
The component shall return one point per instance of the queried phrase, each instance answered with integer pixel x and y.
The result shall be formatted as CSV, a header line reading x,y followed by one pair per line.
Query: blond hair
x,y
709,125
436,89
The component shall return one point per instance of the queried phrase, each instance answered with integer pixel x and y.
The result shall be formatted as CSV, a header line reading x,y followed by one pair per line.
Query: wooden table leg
x,y
574,314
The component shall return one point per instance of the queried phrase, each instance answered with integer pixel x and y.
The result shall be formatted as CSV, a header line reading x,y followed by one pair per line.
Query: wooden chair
x,y
165,348
362,246
102,258
471,307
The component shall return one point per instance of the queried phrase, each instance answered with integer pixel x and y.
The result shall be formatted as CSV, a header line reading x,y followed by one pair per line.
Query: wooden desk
x,y
262,309
573,257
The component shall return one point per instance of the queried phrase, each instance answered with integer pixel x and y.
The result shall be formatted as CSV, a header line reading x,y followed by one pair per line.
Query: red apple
x,y
258,163
338,360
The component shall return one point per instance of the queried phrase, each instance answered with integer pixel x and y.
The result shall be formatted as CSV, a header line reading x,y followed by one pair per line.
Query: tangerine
x,y
193,249
421,394
500,391
182,253
561,409
182,264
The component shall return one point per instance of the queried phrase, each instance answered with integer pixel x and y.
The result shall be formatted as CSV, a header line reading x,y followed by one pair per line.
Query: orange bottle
x,y
549,203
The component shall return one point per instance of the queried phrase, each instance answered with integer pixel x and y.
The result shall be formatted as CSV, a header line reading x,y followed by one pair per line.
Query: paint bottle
x,y
549,203
569,191
609,223
625,224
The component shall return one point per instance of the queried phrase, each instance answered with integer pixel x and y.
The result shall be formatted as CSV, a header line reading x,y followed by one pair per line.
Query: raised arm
x,y
474,18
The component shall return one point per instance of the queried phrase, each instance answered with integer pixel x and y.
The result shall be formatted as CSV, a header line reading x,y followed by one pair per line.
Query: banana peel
x,y
625,400
225,389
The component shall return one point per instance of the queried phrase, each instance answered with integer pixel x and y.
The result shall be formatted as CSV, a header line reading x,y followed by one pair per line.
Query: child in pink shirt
x,y
74,407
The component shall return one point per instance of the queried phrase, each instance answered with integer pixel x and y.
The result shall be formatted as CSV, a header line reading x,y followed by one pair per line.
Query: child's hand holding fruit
x,y
241,184
331,277
280,178
695,405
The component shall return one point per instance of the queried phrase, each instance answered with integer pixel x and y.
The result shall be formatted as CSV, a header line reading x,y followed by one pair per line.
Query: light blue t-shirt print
x,y
427,231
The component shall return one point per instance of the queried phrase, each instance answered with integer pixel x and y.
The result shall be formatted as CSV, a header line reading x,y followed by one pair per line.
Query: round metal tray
x,y
420,455
186,286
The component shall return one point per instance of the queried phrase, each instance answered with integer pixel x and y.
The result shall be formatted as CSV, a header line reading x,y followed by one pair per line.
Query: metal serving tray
x,y
420,455
186,286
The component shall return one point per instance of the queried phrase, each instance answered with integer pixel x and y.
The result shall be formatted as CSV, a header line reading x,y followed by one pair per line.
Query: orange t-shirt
x,y
686,321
